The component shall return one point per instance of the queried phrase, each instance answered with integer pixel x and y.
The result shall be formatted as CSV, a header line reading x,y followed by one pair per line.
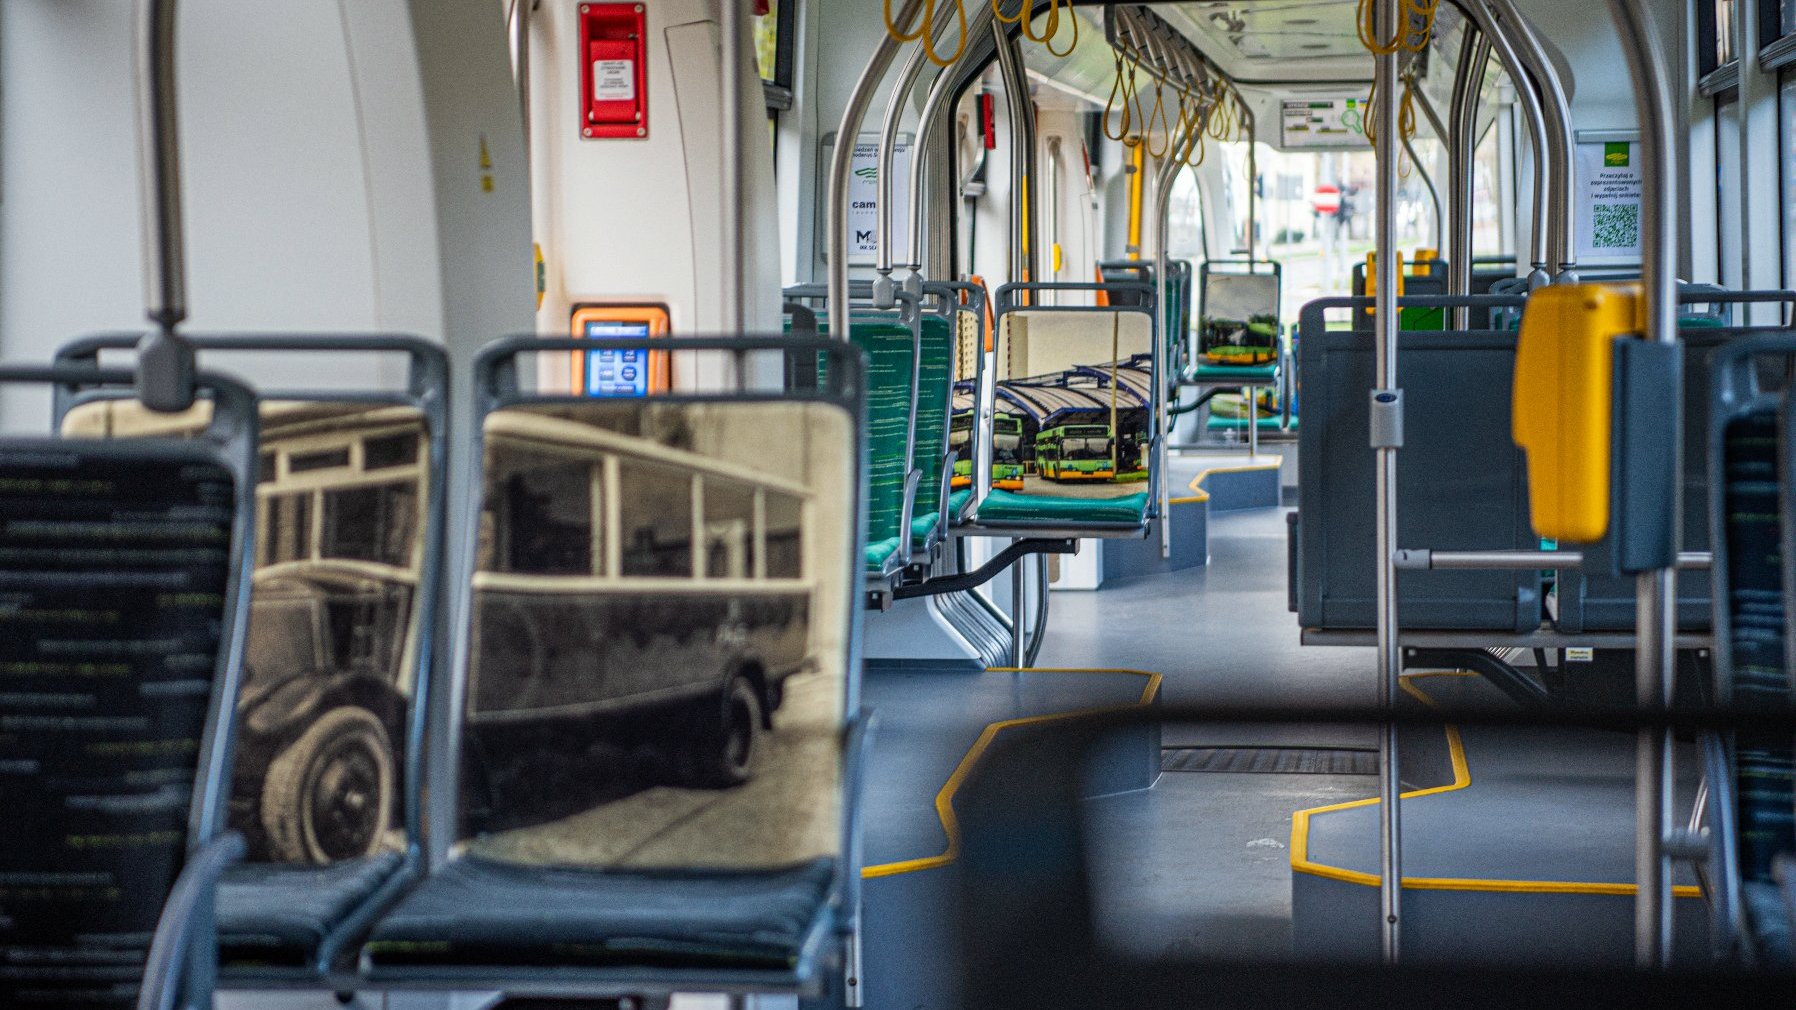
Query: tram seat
x,y
935,385
1462,483
698,863
118,826
291,914
1070,337
1748,434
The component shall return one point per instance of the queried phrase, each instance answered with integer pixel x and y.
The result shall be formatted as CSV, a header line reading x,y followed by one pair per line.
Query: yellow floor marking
x,y
944,799
1462,778
1255,465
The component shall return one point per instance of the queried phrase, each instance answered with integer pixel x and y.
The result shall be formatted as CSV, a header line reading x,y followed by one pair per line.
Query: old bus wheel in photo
x,y
328,796
722,751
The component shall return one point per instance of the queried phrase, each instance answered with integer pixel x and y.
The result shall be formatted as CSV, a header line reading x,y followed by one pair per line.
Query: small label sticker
x,y
614,80
1580,655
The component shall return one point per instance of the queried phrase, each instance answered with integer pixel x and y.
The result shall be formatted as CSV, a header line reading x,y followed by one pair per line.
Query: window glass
x,y
1724,32
288,532
1786,108
1727,189
767,38
785,545
541,513
390,450
655,504
729,529
375,523
1787,17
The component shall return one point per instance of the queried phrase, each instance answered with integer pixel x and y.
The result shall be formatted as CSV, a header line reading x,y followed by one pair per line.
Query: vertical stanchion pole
x,y
1386,408
1656,591
1474,57
841,160
1168,171
732,214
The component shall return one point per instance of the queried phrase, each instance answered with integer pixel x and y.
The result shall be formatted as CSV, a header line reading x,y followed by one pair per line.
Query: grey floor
x,y
1199,865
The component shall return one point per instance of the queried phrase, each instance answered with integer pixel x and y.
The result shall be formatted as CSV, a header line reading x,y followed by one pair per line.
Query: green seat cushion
x,y
1701,322
1238,423
957,502
1244,373
1418,318
922,526
879,552
1002,507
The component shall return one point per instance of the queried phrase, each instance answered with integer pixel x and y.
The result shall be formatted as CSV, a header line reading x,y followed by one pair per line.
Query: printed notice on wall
x,y
1609,202
863,201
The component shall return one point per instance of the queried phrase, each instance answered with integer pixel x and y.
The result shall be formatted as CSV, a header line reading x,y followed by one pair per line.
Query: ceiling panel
x,y
1276,40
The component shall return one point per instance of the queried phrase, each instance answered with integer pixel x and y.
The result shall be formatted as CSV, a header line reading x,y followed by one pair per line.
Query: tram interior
x,y
542,504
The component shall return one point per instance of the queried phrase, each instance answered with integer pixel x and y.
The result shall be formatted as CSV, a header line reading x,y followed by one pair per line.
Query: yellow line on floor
x,y
1462,778
1255,465
944,798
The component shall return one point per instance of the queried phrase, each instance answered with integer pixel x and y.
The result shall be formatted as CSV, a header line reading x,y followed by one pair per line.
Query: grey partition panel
x,y
1604,603
1462,483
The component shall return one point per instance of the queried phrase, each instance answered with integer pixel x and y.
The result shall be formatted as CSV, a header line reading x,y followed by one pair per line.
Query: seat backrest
x,y
1240,312
1748,446
1603,603
935,380
351,491
661,609
1462,483
126,578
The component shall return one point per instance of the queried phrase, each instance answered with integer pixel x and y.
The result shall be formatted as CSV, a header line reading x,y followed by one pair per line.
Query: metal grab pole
x,y
1386,408
934,107
1656,591
165,364
520,47
888,147
1016,104
1560,141
1537,132
732,215
841,160
1253,183
1163,180
1468,82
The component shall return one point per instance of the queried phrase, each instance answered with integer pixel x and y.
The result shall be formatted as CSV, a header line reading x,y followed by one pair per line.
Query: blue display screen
x,y
617,372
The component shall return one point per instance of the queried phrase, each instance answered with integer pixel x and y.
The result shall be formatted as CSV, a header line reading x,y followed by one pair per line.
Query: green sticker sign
x,y
1615,155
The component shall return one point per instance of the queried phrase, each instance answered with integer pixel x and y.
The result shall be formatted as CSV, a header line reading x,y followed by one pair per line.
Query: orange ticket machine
x,y
620,371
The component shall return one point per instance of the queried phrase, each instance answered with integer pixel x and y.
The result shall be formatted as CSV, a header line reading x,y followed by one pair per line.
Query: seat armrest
x,y
186,932
947,485
908,513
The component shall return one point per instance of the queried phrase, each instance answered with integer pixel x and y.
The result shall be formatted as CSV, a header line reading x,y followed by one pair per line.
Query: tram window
x,y
785,546
329,459
729,529
1786,17
1715,35
773,33
375,523
1786,117
655,504
542,522
287,533
1727,186
390,451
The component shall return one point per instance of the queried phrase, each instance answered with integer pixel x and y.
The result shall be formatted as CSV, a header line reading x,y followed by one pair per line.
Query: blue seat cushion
x,y
279,913
475,913
1007,507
